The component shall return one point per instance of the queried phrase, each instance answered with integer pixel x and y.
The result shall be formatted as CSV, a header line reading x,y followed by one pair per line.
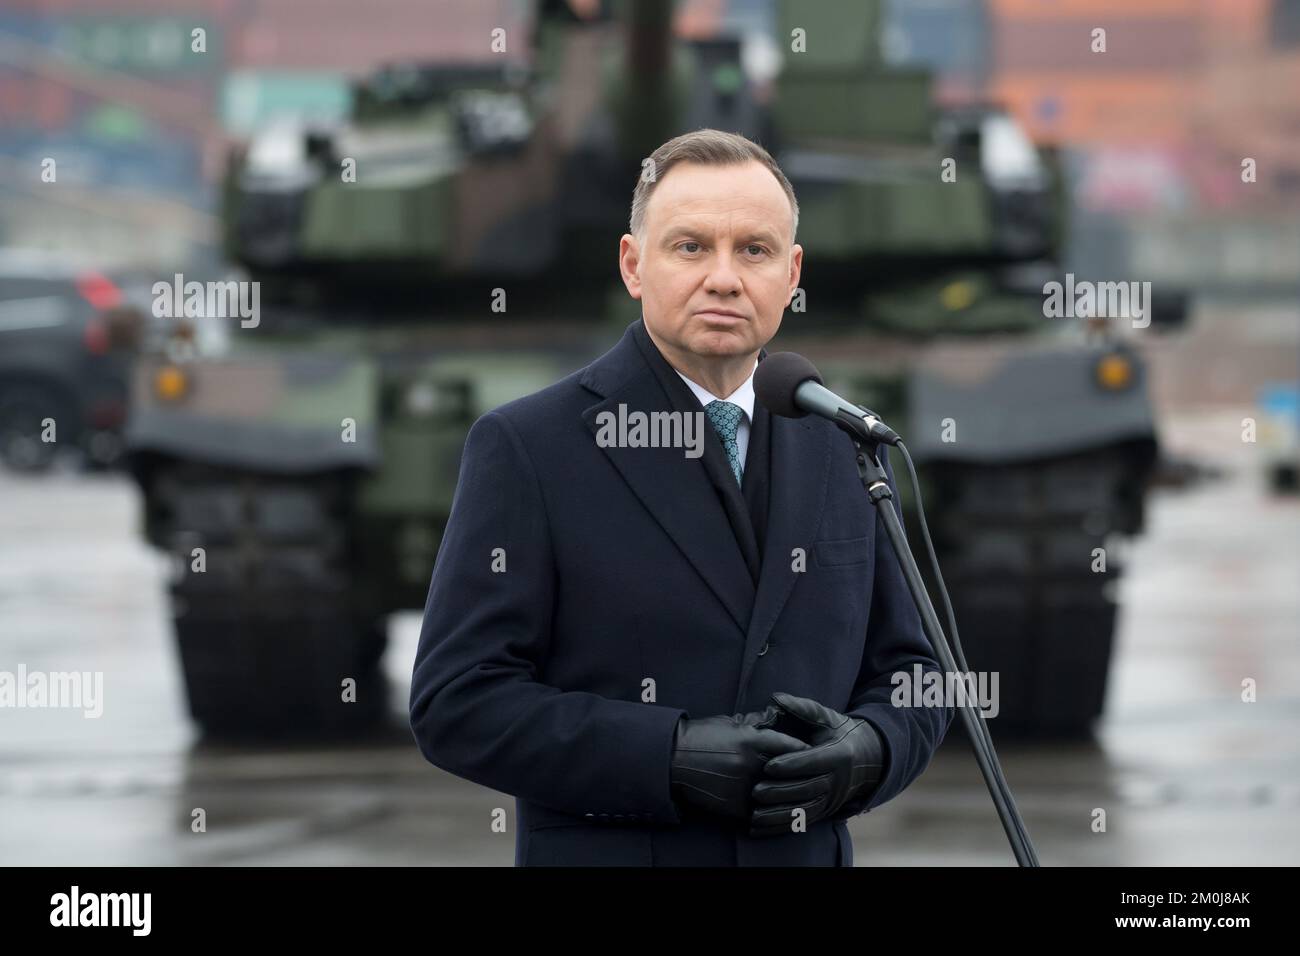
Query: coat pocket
x,y
843,551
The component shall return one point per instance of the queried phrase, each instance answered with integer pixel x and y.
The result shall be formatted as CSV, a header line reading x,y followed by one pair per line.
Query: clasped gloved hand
x,y
843,762
717,760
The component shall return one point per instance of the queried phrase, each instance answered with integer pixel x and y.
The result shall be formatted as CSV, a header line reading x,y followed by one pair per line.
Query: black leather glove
x,y
717,760
844,762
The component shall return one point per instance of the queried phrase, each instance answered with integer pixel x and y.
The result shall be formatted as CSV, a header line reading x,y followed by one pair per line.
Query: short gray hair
x,y
709,147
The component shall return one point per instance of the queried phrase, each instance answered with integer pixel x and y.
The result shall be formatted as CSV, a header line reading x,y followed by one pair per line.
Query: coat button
x,y
763,650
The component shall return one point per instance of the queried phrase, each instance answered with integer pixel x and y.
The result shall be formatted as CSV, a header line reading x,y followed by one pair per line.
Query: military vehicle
x,y
301,471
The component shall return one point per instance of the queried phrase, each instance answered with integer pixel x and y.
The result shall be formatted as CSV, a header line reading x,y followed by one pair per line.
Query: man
x,y
672,658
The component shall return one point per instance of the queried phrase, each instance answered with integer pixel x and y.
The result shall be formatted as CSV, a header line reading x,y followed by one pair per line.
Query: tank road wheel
x,y
1018,547
268,620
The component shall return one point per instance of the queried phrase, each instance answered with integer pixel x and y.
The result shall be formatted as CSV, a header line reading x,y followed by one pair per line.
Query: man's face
x,y
716,268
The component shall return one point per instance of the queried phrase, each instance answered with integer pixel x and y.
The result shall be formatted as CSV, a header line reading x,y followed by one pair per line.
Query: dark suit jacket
x,y
626,603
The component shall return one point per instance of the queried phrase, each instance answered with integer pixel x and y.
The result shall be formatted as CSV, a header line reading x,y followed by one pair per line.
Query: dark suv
x,y
67,340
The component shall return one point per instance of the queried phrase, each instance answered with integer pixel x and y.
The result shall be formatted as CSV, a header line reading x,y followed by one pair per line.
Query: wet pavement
x,y
1186,772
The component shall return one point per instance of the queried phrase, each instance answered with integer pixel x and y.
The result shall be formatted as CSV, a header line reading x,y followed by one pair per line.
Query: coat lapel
x,y
673,488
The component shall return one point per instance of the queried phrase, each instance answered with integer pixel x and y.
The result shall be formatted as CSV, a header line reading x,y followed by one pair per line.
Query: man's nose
x,y
722,277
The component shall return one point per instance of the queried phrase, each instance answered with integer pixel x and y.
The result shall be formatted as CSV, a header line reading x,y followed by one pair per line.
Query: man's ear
x,y
796,269
629,261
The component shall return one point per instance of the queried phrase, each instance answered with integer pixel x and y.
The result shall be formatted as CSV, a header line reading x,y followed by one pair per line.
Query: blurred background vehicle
x,y
381,243
1279,406
68,336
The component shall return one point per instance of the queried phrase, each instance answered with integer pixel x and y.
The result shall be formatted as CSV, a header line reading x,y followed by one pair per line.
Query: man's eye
x,y
758,250
685,244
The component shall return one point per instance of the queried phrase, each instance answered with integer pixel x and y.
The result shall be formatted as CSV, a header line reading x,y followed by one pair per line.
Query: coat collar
x,y
673,488
678,494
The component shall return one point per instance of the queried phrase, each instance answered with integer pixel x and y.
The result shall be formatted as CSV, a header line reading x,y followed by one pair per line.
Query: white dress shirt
x,y
743,396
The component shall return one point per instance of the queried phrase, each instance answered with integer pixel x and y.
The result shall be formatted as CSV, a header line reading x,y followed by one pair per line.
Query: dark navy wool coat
x,y
629,599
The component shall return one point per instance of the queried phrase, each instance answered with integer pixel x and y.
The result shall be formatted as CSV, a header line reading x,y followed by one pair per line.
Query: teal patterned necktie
x,y
726,420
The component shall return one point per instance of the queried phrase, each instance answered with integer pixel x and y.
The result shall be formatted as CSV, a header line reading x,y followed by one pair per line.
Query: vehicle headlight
x,y
1114,371
170,383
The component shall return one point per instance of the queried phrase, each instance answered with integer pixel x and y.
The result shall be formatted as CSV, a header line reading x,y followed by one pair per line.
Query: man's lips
x,y
719,314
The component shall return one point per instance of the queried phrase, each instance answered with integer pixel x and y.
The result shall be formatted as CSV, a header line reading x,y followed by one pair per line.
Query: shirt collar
x,y
743,396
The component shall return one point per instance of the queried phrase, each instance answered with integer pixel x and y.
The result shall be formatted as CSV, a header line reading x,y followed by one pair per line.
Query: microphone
x,y
788,385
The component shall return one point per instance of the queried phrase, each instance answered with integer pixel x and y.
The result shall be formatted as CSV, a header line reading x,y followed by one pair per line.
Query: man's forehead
x,y
724,196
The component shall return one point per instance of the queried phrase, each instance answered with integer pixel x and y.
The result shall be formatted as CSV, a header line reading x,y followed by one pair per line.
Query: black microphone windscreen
x,y
777,378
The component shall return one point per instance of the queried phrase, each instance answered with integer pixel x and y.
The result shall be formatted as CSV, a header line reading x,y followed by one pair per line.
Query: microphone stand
x,y
876,483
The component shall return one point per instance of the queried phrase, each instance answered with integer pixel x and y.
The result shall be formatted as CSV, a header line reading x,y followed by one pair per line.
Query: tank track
x,y
272,626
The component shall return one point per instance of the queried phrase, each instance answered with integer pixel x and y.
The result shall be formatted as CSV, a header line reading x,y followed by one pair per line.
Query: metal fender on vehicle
x,y
283,413
980,404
